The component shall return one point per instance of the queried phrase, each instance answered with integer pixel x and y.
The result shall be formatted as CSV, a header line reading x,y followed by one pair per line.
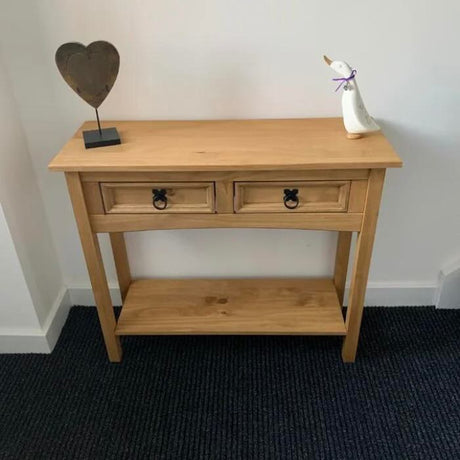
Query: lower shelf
x,y
234,306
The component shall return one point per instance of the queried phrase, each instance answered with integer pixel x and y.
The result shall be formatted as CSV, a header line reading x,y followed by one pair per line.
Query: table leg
x,y
341,263
361,264
117,240
94,263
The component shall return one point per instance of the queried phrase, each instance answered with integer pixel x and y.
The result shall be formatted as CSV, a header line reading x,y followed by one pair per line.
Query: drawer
x,y
292,196
154,197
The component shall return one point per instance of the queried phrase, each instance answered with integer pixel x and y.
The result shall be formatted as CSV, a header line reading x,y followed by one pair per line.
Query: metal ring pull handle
x,y
160,201
291,200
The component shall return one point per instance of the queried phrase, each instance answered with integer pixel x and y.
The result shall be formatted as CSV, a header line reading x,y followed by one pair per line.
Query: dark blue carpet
x,y
239,397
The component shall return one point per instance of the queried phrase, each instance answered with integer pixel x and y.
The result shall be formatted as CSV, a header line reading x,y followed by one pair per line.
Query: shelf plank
x,y
231,306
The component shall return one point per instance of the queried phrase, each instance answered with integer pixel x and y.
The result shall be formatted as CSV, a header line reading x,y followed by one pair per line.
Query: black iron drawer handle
x,y
291,200
160,201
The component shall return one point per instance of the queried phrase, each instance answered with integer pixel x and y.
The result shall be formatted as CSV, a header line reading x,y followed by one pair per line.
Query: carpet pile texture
x,y
239,397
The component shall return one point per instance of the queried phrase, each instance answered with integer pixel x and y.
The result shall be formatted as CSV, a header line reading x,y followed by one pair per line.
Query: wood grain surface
x,y
236,306
225,145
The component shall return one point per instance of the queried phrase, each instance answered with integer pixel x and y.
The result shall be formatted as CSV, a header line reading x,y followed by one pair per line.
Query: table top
x,y
227,145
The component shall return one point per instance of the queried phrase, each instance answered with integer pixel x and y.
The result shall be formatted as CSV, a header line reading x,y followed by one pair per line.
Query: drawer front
x,y
293,196
153,197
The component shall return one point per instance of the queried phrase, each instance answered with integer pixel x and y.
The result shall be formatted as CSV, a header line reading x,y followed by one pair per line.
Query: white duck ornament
x,y
355,116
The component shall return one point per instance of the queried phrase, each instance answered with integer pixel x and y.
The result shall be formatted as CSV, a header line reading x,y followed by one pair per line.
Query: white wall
x,y
31,283
236,59
17,310
23,208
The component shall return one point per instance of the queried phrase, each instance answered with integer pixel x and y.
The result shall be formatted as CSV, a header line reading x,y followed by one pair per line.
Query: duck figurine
x,y
356,119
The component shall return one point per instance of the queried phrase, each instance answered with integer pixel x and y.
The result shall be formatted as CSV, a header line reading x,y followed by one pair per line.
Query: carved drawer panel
x,y
153,197
291,196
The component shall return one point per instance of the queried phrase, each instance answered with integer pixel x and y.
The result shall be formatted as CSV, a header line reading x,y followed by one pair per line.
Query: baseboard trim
x,y
23,341
83,295
393,294
57,317
37,340
387,294
448,292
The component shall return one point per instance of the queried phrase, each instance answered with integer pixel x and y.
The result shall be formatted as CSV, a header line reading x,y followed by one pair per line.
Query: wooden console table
x,y
297,174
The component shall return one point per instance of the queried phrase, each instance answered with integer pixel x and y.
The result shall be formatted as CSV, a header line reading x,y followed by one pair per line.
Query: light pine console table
x,y
294,174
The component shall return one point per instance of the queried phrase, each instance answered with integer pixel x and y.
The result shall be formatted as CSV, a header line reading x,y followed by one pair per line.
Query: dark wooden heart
x,y
90,70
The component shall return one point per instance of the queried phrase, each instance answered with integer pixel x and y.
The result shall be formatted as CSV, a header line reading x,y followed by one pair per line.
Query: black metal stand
x,y
98,122
101,137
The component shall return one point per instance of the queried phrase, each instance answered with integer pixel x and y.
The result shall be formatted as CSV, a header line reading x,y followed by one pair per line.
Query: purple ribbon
x,y
343,79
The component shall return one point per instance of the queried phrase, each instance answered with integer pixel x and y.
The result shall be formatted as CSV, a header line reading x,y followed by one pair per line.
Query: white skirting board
x,y
83,295
377,294
388,294
448,292
38,340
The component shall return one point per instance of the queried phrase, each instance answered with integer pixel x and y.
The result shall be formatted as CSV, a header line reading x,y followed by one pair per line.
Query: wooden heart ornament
x,y
90,70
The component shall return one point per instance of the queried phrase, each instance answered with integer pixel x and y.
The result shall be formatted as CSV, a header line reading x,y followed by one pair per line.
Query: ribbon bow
x,y
342,80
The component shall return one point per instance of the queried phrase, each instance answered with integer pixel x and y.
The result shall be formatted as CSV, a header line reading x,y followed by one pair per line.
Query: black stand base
x,y
107,136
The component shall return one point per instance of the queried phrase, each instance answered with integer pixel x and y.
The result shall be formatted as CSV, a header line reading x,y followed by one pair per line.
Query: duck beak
x,y
328,61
